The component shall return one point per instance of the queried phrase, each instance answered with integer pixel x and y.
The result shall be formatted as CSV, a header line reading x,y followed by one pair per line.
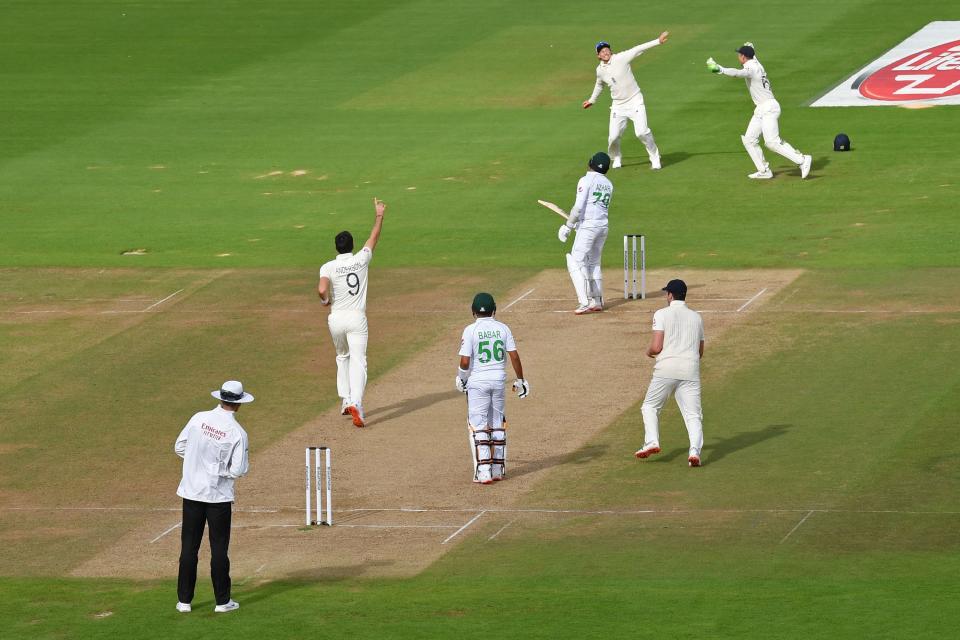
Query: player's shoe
x,y
761,175
343,407
356,412
694,461
582,309
805,166
184,607
615,163
595,308
647,451
655,161
231,605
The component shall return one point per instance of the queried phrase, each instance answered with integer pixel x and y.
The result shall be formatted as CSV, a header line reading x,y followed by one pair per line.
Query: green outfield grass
x,y
827,507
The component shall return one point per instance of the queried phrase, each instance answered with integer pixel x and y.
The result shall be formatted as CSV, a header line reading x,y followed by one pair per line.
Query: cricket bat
x,y
549,205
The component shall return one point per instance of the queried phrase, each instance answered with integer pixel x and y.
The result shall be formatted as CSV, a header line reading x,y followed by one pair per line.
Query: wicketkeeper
x,y
482,375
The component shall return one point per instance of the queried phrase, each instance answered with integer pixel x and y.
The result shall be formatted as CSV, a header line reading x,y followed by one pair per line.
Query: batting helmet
x,y
483,303
841,142
600,162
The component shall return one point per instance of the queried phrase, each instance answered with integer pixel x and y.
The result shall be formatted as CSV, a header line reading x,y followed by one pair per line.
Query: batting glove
x,y
712,66
522,387
563,233
461,384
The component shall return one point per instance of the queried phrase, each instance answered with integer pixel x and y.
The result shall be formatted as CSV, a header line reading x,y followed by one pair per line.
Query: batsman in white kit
x,y
589,216
481,375
766,115
343,284
677,344
627,99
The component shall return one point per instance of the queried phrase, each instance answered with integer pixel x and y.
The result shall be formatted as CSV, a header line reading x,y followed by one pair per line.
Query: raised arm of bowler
x,y
343,286
766,115
589,217
627,100
482,376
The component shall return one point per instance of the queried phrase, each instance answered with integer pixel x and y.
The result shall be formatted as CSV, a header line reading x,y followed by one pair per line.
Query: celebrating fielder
x,y
343,284
481,375
627,100
589,217
765,118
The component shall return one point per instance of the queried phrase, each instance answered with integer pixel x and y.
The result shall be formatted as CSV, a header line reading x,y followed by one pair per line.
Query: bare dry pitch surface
x,y
402,485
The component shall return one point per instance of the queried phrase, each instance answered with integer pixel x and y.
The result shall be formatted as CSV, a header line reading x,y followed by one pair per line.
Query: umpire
x,y
213,446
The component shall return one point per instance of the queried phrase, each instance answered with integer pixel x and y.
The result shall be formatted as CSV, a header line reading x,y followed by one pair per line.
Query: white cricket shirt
x,y
486,342
591,208
756,77
617,74
682,332
213,446
347,274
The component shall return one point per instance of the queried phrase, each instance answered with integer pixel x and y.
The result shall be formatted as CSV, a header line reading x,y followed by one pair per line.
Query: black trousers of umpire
x,y
217,515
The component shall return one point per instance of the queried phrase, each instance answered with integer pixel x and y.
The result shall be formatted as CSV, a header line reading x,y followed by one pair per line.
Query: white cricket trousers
x,y
584,263
687,394
766,121
348,329
618,123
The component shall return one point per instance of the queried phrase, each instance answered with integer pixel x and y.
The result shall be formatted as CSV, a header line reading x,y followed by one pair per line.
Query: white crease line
x,y
139,509
501,530
455,533
165,533
661,511
159,302
750,301
804,519
519,299
400,526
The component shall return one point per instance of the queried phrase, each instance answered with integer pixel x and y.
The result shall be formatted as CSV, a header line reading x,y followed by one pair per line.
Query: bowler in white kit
x,y
627,99
343,286
766,115
484,348
589,216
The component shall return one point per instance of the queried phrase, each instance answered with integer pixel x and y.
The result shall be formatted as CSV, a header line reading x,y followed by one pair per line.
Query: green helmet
x,y
483,303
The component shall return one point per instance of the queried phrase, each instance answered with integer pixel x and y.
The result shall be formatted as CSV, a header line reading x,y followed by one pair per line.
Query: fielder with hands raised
x,y
482,375
627,100
766,115
343,284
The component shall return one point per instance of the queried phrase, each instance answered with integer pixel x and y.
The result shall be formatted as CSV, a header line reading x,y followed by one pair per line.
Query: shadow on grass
x,y
305,579
717,449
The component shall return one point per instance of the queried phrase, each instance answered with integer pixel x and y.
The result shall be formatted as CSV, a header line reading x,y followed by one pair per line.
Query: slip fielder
x,y
343,284
481,375
589,217
627,99
766,115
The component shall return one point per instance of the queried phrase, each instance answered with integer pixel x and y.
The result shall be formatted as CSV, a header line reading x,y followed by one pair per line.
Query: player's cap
x,y
676,287
602,44
841,142
232,391
747,51
483,303
600,162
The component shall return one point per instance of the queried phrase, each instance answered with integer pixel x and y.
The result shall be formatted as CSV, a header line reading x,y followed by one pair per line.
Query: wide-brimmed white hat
x,y
232,391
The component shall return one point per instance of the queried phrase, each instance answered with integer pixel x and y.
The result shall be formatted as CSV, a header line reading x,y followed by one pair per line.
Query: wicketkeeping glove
x,y
522,387
712,66
563,233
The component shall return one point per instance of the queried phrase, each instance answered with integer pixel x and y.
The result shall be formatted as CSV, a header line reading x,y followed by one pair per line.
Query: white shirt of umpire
x,y
676,371
214,449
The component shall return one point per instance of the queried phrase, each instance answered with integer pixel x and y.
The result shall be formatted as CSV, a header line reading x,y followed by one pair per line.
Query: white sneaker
x,y
805,166
344,403
229,606
761,175
582,309
615,164
184,607
655,162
